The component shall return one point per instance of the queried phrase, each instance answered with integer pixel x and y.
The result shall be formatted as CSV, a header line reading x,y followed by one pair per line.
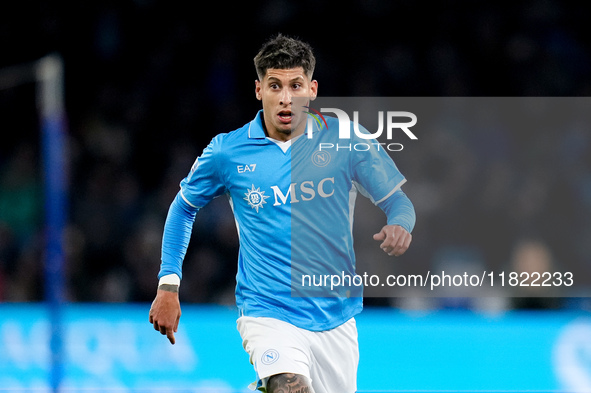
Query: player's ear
x,y
257,89
313,89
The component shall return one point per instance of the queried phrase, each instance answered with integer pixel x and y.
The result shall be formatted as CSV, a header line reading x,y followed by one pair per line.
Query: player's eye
x,y
296,86
274,86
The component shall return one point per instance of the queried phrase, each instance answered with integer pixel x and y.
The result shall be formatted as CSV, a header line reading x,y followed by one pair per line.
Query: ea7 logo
x,y
391,124
246,168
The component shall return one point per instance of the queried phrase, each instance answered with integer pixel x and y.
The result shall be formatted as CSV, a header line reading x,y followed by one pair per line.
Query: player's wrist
x,y
169,283
169,288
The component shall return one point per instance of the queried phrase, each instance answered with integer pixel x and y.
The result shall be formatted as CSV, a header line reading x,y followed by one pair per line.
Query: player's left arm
x,y
379,179
396,236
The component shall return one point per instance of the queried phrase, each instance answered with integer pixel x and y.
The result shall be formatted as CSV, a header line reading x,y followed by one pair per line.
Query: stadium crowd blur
x,y
148,84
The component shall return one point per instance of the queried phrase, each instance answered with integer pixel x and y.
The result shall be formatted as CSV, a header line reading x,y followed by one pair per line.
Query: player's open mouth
x,y
285,116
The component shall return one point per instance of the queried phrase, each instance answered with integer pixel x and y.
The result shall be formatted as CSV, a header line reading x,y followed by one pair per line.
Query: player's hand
x,y
165,313
395,239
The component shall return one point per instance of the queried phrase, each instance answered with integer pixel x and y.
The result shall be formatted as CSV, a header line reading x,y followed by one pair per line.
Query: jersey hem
x,y
304,324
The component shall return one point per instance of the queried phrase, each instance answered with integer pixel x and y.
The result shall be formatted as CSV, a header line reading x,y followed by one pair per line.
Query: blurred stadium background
x,y
147,85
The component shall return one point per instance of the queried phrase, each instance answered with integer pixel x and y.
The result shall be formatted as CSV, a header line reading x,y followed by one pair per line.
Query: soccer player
x,y
293,207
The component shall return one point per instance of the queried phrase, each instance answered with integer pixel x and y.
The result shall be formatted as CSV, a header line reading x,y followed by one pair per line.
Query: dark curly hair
x,y
282,52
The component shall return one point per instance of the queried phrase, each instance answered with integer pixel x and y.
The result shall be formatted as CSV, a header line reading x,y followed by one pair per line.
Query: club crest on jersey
x,y
270,356
320,158
255,198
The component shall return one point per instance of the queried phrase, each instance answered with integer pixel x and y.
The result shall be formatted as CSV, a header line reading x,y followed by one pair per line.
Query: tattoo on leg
x,y
289,383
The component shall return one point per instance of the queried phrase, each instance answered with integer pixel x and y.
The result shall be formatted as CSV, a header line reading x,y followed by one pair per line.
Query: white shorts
x,y
328,358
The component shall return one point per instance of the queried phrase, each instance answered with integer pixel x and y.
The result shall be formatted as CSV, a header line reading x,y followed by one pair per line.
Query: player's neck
x,y
283,136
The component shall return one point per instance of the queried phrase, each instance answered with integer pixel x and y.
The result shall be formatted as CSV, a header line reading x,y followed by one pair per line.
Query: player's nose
x,y
285,98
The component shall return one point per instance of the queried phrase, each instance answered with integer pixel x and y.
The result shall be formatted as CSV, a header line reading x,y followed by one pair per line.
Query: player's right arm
x,y
165,312
201,185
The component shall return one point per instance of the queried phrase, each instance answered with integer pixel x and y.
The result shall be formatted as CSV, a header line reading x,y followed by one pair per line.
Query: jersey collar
x,y
255,128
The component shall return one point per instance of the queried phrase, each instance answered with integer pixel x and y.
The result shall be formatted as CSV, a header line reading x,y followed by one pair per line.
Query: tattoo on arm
x,y
289,383
169,288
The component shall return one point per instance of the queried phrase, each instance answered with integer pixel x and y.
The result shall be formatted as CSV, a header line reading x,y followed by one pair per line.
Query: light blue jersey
x,y
293,205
